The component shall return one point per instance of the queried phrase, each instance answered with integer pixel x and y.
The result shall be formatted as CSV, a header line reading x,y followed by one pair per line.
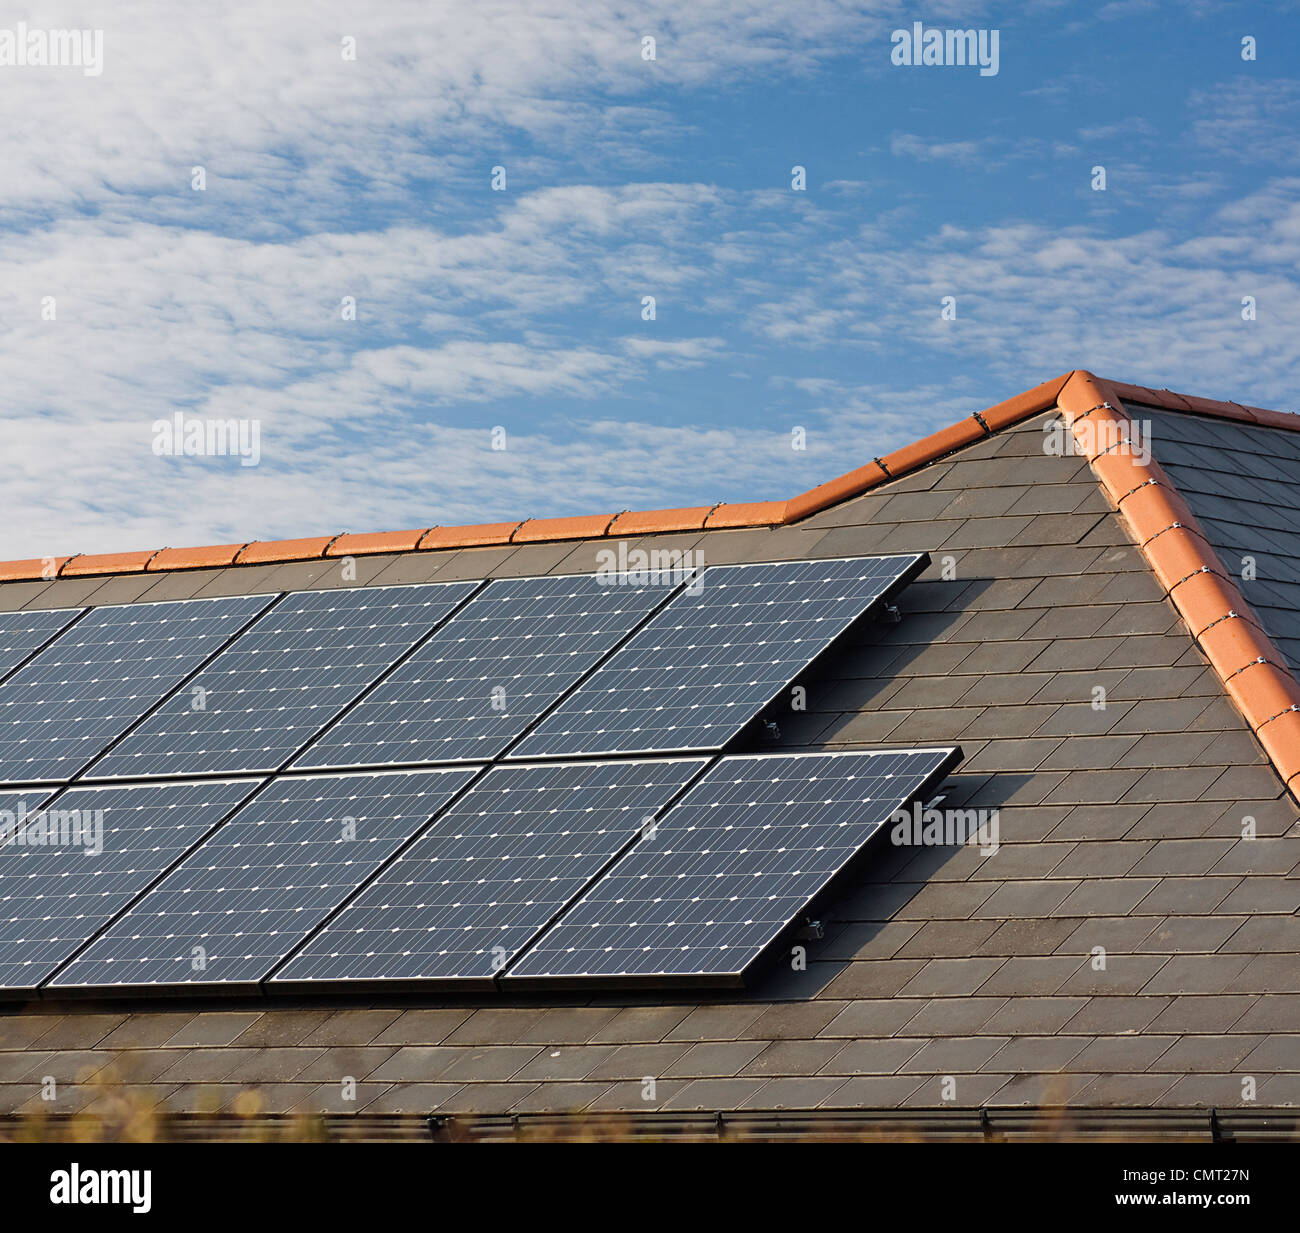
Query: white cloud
x,y
328,179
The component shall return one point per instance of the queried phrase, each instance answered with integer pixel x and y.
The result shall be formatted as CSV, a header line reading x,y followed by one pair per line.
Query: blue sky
x,y
625,178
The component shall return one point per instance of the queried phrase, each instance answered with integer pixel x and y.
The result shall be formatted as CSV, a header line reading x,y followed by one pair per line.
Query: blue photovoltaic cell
x,y
729,867
252,891
705,665
489,873
74,866
99,677
274,688
487,673
21,633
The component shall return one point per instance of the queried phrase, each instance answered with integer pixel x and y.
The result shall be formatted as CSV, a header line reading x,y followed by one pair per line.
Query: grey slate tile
x,y
485,1098
494,1026
560,1098
351,1026
714,1093
1115,1015
873,1056
1031,1015
1114,934
795,1020
566,1025
1197,934
78,1031
422,1027
792,1057
794,1093
1105,896
1122,974
640,1024
425,1098
1209,1054
1037,1054
954,1055
1196,974
715,1058
1045,1090
563,1063
723,1021
1182,857
1128,1091
952,977
1209,1014
638,1061
874,1092
874,1016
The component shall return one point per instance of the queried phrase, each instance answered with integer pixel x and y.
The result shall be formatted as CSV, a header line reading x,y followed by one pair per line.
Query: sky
x,y
410,245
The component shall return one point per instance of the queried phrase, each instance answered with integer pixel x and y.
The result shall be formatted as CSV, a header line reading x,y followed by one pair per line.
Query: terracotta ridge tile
x,y
1252,670
1294,707
843,488
479,535
35,569
87,564
209,556
278,551
540,530
1022,406
659,521
369,543
747,514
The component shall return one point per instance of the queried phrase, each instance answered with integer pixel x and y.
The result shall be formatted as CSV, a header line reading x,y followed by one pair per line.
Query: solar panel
x,y
88,686
729,867
247,896
21,633
267,694
705,665
73,866
487,673
489,873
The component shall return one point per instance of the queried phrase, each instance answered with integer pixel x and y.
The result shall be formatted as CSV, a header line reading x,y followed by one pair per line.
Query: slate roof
x,y
945,981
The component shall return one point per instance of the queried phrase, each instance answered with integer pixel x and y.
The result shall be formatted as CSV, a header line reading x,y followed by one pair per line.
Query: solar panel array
x,y
491,872
733,864
437,785
241,901
75,865
21,633
487,673
704,666
267,694
103,674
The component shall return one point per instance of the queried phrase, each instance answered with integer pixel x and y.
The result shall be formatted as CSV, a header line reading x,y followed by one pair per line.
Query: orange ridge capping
x,y
1252,670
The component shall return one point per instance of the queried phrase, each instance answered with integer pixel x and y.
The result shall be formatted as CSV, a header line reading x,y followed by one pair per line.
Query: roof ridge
x,y
1221,622
894,465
